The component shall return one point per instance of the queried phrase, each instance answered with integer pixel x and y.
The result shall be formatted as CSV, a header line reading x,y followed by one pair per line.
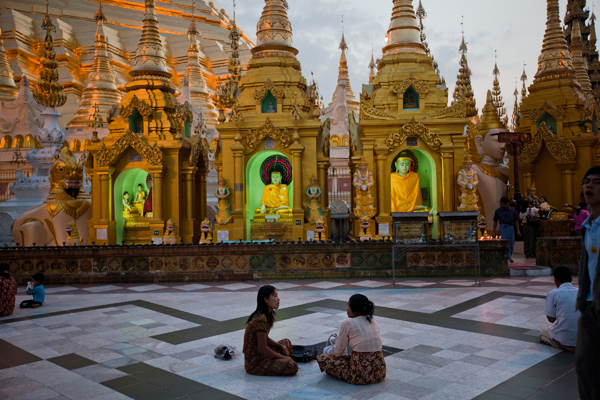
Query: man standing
x,y
509,220
587,354
561,312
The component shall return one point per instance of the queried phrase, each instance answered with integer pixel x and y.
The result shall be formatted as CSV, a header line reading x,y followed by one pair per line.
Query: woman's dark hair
x,y
360,305
4,269
262,307
582,206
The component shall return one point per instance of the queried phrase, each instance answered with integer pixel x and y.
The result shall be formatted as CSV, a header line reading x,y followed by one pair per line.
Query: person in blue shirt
x,y
587,353
35,289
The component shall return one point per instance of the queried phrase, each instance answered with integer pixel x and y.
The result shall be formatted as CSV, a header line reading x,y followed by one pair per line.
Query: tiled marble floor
x,y
459,341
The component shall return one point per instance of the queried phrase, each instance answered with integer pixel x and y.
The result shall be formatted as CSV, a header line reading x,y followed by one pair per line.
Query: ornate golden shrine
x,y
147,138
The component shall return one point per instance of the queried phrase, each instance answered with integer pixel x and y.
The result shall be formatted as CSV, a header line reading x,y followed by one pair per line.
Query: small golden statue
x,y
170,235
365,228
409,101
206,232
532,198
140,199
319,227
222,193
313,192
363,182
468,181
73,238
128,210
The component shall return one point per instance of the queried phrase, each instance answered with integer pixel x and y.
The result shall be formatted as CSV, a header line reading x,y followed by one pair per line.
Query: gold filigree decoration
x,y
421,87
236,115
268,130
561,148
269,87
198,149
136,104
63,205
414,128
370,113
456,110
555,111
106,156
184,112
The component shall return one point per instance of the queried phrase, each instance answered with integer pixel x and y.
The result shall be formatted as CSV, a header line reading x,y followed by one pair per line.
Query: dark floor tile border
x,y
13,356
72,361
551,379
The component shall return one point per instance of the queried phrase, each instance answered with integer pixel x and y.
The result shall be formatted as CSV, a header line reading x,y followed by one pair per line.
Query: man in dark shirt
x,y
508,218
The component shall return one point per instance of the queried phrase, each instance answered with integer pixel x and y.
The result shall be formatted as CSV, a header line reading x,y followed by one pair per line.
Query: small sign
x,y
412,142
239,187
157,240
272,218
298,222
136,158
43,171
310,235
102,234
222,236
269,144
156,233
384,229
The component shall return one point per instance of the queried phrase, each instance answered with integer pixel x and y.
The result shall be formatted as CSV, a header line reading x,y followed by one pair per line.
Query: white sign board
x,y
222,236
310,235
157,240
101,234
384,229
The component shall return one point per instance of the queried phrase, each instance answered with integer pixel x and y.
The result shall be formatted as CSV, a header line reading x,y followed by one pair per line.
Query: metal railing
x,y
340,185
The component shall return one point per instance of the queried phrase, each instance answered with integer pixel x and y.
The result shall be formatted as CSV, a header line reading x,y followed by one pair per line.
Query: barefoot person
x,y
587,353
561,312
263,355
508,218
366,364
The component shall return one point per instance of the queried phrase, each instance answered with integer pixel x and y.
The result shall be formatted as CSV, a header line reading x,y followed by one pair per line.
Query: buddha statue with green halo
x,y
276,174
406,187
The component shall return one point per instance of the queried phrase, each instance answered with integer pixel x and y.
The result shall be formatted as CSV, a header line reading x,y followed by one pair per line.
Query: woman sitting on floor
x,y
8,291
366,364
263,355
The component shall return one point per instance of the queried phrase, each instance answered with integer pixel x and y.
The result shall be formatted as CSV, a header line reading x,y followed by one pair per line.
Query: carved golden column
x,y
238,177
322,167
189,195
105,200
528,176
157,195
297,151
448,180
382,204
568,171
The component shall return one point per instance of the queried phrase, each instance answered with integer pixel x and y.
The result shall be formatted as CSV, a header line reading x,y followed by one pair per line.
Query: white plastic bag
x,y
330,344
224,352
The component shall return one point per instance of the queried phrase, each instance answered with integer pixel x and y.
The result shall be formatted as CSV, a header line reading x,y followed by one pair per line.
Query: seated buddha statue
x,y
409,101
406,188
140,199
275,198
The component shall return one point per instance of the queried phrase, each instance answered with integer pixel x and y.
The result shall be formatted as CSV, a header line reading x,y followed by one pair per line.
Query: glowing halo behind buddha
x,y
406,186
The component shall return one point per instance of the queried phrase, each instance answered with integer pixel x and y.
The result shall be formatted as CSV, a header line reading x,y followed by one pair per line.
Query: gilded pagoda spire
x,y
193,70
372,68
514,122
524,88
404,35
150,56
555,60
49,92
101,89
8,89
343,74
463,89
579,62
497,93
274,32
489,116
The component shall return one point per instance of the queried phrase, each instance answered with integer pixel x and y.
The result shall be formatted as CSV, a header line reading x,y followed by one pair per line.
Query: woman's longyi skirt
x,y
356,369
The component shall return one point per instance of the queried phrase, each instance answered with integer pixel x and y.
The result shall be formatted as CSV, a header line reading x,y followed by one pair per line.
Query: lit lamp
x,y
387,38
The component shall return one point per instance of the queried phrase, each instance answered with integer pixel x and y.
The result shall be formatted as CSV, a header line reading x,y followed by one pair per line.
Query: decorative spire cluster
x,y
404,35
8,88
150,56
274,32
497,94
422,14
579,62
464,89
50,91
555,60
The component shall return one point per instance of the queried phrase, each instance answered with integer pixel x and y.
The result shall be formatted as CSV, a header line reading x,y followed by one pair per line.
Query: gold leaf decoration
x,y
107,156
555,111
370,113
421,87
136,104
561,148
414,128
456,110
268,130
269,87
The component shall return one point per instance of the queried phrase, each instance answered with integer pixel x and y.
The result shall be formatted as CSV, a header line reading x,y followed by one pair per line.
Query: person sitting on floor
x,y
262,355
365,365
35,289
8,291
561,312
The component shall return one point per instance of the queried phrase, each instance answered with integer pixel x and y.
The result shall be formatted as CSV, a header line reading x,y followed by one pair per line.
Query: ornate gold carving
x,y
456,110
152,154
421,87
555,111
136,104
269,87
414,128
561,148
268,131
63,205
198,149
184,112
370,113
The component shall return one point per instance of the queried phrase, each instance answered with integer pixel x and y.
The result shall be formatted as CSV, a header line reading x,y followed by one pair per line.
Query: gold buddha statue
x,y
409,102
275,198
140,199
468,181
406,188
128,210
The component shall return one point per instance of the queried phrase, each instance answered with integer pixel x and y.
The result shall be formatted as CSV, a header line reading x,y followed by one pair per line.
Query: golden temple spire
x,y
463,88
497,92
343,74
593,37
49,92
372,67
555,60
489,116
193,70
514,122
524,80
150,56
579,62
274,32
101,88
404,35
8,88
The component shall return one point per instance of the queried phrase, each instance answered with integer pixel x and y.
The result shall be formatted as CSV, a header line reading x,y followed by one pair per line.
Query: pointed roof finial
x,y
463,46
404,33
343,45
274,32
100,13
8,88
579,61
47,25
193,30
555,60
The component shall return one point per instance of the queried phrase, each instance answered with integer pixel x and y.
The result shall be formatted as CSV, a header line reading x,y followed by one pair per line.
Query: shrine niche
x,y
269,98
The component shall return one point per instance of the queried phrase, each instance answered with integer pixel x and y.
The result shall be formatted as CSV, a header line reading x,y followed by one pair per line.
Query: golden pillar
x,y
157,195
189,176
382,204
527,173
448,179
238,175
297,151
568,171
105,198
322,167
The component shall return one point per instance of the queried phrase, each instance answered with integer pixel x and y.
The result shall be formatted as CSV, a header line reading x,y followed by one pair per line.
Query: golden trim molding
x,y
268,130
414,128
107,156
421,87
556,111
269,87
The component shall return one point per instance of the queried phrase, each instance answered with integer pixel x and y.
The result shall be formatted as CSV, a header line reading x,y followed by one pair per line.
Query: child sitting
x,y
35,289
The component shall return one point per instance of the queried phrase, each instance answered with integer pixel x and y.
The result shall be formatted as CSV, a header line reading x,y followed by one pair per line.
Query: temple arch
x,y
334,141
136,121
17,142
29,141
